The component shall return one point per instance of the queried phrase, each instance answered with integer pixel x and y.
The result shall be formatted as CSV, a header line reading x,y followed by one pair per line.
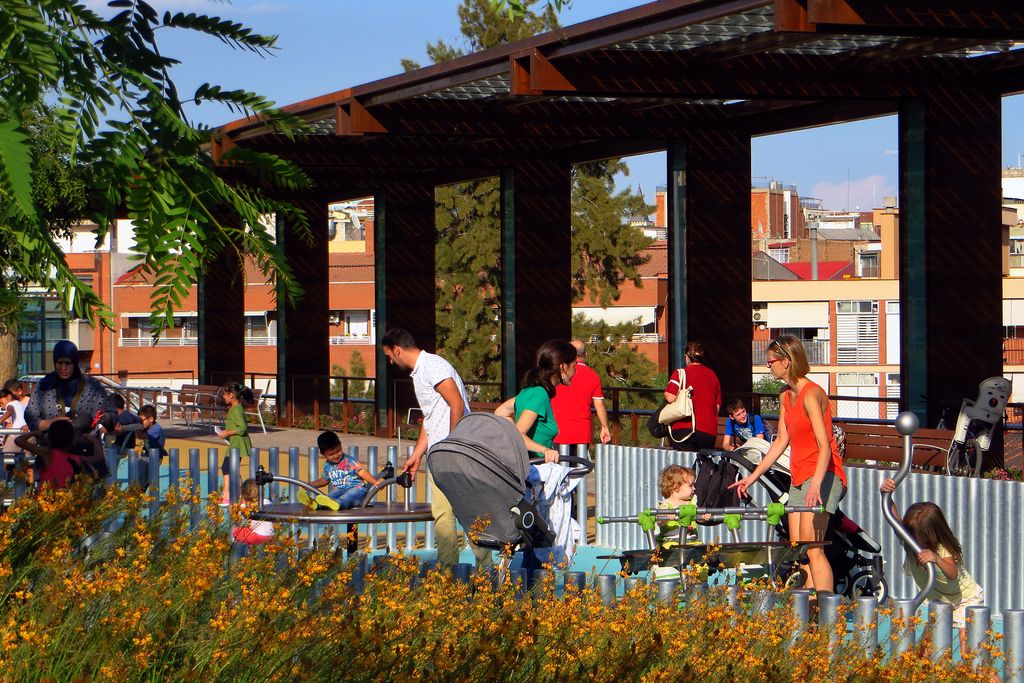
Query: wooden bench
x,y
873,443
882,443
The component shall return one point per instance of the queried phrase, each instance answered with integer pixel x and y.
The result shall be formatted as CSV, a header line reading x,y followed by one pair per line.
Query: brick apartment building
x,y
829,277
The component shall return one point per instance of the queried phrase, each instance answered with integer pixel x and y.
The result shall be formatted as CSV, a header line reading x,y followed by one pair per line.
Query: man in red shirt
x,y
572,403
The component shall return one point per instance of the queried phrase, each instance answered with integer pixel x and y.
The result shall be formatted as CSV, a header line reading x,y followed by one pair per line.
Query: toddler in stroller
x,y
483,468
854,555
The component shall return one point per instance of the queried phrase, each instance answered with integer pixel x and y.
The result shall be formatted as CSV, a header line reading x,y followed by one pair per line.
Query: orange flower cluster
x,y
94,588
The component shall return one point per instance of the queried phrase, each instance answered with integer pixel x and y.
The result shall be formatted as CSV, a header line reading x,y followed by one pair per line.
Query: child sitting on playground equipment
x,y
954,585
677,484
348,478
678,487
252,532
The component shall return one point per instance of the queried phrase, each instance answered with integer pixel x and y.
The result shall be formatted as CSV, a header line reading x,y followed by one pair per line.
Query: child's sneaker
x,y
225,501
327,502
307,500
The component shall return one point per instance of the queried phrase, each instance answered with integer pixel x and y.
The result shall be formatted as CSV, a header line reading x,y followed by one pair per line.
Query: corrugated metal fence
x,y
987,516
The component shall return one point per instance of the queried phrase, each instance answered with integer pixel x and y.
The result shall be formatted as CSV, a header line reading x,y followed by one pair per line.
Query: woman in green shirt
x,y
531,407
235,432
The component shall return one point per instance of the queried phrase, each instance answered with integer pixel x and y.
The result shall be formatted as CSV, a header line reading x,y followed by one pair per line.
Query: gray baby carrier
x,y
481,467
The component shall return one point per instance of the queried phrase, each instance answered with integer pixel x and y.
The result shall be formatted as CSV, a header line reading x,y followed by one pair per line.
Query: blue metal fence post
x,y
254,462
133,469
213,472
371,464
1013,639
173,469
581,498
392,532
274,465
195,477
234,479
312,474
153,479
979,620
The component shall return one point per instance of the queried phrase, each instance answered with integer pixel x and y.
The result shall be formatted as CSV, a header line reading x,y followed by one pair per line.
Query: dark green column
x,y
536,243
303,347
676,253
404,237
221,309
950,248
709,252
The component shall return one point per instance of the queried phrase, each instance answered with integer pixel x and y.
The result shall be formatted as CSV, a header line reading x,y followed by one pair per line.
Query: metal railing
x,y
162,341
352,340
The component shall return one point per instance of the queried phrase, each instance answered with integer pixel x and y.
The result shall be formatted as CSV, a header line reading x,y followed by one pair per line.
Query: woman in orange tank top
x,y
805,423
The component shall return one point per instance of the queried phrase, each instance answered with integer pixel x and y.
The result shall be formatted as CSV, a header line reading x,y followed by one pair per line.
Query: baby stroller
x,y
483,467
854,555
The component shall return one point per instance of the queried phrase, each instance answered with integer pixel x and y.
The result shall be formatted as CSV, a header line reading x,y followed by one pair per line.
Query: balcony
x,y
162,341
817,352
646,338
261,341
1017,260
352,340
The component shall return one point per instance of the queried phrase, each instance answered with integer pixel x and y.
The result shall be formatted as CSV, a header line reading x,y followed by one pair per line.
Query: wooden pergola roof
x,y
627,82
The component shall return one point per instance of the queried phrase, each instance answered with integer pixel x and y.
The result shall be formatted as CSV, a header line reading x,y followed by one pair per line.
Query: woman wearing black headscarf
x,y
67,394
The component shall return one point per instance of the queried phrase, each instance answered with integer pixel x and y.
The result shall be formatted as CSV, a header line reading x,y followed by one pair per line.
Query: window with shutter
x,y
857,332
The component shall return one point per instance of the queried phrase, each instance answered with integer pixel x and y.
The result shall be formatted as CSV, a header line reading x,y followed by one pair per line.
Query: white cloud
x,y
863,193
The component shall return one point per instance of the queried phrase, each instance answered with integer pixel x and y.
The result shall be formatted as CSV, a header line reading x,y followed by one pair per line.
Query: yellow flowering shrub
x,y
93,588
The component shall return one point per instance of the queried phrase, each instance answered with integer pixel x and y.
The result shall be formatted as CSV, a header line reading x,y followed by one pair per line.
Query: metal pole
x,y
428,527
274,465
112,463
906,425
1013,637
212,471
312,473
904,631
667,589
153,476
293,472
979,619
942,629
867,623
801,612
410,528
578,580
195,477
581,497
133,469
371,464
254,462
606,586
631,583
173,468
233,480
392,532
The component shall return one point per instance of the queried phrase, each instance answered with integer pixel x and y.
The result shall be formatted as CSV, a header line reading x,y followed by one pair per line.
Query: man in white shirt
x,y
442,398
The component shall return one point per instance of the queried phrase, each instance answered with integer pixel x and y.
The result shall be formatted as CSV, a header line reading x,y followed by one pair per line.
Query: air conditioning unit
x,y
759,313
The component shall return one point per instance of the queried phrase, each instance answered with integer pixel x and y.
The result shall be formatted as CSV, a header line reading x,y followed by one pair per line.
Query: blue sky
x,y
327,45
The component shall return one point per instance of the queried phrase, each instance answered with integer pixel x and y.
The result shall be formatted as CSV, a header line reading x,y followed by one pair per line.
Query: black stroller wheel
x,y
867,583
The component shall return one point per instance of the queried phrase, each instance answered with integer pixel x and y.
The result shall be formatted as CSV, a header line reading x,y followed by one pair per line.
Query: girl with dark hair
x,y
953,583
235,432
530,409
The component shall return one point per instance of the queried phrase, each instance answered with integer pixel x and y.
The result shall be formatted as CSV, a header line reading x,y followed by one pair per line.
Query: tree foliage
x,y
606,253
123,122
618,362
